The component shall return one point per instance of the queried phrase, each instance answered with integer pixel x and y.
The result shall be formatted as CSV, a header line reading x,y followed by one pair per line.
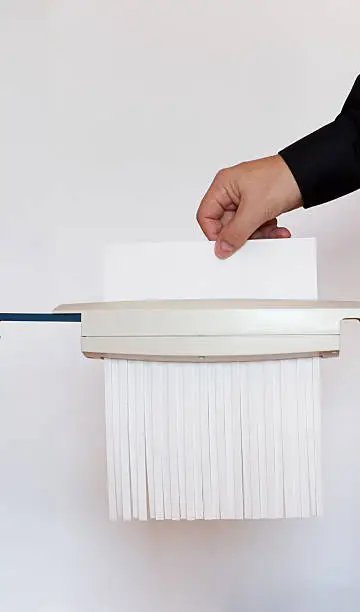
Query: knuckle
x,y
201,217
222,174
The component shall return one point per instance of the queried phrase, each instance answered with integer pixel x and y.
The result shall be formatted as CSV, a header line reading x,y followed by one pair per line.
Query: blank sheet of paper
x,y
212,441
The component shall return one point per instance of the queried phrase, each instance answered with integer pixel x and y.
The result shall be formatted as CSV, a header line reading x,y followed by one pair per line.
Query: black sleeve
x,y
326,164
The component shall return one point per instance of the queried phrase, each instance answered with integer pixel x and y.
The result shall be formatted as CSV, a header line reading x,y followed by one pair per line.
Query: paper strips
x,y
210,441
213,441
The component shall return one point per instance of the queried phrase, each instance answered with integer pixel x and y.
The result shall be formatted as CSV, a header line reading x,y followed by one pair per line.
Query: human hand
x,y
244,201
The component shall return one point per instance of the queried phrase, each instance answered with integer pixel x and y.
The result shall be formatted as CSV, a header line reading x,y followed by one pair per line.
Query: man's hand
x,y
243,202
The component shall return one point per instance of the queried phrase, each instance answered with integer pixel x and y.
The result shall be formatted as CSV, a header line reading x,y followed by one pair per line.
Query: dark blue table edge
x,y
34,317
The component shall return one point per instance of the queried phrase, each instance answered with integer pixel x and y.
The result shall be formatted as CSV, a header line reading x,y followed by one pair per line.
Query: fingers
x,y
280,232
237,232
216,208
270,231
243,201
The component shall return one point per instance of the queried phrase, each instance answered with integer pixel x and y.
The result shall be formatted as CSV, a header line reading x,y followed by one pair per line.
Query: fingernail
x,y
226,247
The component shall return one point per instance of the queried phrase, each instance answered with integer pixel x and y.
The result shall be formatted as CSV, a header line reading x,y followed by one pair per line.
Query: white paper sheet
x,y
212,441
278,269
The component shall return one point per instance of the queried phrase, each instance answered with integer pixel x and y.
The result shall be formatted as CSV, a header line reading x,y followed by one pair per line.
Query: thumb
x,y
235,233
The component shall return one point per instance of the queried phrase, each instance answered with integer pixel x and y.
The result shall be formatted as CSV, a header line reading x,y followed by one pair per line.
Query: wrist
x,y
289,189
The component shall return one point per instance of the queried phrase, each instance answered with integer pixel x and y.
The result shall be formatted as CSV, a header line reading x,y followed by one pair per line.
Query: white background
x,y
114,116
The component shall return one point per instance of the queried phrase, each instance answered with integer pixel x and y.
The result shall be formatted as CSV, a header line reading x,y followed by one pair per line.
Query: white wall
x,y
114,116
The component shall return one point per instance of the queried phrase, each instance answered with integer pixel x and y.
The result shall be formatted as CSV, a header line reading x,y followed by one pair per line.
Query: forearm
x,y
326,164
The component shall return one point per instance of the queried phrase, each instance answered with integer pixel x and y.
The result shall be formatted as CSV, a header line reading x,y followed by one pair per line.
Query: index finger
x,y
215,203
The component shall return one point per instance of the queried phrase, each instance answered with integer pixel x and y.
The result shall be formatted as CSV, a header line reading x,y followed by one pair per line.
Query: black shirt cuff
x,y
326,164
